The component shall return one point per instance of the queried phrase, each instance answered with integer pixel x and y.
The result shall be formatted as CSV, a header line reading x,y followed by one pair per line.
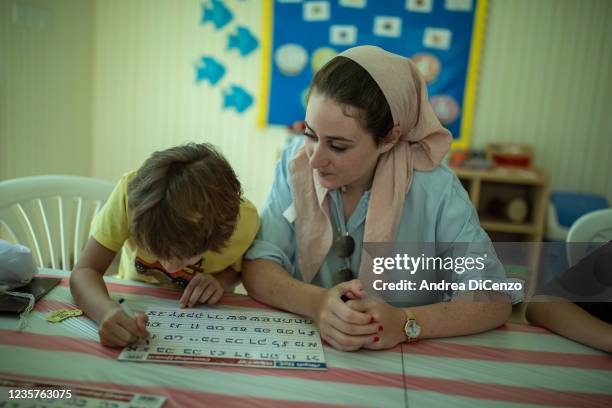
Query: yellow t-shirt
x,y
110,228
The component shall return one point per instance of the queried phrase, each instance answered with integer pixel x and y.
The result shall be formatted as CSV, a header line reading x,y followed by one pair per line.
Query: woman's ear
x,y
391,139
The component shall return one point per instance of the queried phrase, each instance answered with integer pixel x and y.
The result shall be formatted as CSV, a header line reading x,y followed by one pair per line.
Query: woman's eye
x,y
338,148
310,136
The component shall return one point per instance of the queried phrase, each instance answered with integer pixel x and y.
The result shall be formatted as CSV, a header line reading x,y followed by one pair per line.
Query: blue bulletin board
x,y
443,37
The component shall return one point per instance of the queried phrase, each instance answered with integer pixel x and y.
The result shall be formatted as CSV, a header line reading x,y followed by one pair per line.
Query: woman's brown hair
x,y
183,201
349,84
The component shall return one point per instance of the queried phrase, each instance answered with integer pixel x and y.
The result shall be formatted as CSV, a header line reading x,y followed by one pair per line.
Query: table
x,y
513,366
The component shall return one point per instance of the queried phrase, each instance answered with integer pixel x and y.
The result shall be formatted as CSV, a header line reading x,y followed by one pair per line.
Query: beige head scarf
x,y
422,145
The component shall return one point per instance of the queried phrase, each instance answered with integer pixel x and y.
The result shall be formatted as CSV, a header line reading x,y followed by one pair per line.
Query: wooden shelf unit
x,y
531,185
507,182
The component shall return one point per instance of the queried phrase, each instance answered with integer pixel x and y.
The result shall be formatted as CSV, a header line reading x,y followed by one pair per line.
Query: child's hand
x,y
203,288
116,329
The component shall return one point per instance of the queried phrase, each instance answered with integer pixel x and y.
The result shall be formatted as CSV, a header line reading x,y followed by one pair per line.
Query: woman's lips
x,y
323,174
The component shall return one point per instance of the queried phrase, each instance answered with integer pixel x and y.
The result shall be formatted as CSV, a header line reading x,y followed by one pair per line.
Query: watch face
x,y
413,330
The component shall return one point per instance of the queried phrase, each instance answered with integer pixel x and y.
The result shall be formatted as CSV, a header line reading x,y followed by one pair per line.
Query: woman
x,y
368,125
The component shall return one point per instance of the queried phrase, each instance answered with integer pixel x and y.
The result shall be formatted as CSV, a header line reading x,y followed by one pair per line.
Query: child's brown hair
x,y
183,201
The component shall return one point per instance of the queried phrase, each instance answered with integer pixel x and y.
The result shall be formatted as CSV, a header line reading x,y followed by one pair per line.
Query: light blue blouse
x,y
437,210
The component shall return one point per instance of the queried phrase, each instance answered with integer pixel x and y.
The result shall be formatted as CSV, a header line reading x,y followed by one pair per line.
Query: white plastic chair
x,y
588,230
51,215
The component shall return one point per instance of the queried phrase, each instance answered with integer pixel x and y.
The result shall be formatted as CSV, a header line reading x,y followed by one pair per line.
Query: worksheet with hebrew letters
x,y
229,336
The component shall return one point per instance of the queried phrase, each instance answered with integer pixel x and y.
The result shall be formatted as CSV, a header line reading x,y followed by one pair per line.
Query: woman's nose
x,y
318,158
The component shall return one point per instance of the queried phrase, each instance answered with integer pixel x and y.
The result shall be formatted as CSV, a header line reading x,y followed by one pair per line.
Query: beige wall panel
x,y
546,81
45,88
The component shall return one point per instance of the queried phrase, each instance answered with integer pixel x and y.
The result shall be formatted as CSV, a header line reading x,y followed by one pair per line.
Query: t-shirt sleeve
x,y
110,225
588,281
588,284
238,244
276,240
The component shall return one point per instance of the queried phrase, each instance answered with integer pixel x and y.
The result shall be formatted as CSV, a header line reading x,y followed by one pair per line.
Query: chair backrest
x,y
594,227
51,215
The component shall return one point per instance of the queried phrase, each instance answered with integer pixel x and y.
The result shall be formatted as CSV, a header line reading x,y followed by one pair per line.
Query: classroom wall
x,y
545,80
146,98
115,81
45,87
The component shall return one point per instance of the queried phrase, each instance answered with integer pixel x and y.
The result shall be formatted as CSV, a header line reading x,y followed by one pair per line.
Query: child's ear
x,y
391,139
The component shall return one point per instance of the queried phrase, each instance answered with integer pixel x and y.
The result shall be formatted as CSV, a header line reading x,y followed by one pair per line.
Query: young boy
x,y
180,221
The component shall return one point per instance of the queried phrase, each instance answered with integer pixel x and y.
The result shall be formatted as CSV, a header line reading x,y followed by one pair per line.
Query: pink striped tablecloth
x,y
514,366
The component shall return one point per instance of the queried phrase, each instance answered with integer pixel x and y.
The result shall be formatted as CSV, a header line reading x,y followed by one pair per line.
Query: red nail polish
x,y
372,319
376,339
380,328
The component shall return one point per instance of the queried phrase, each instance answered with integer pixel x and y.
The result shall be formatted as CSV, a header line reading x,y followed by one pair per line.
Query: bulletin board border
x,y
266,62
471,87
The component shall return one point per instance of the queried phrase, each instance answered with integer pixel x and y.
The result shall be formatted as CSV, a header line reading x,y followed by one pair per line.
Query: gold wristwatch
x,y
411,328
